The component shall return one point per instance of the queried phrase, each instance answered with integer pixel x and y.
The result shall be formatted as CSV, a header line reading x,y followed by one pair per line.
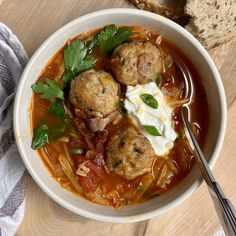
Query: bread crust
x,y
212,22
165,10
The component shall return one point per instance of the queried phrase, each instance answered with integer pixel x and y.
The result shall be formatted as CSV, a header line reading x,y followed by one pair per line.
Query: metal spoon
x,y
223,206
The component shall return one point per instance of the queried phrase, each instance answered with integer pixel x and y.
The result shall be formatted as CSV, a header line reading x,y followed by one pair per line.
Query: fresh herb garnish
x,y
68,77
117,163
41,136
92,43
149,100
178,135
121,36
152,130
56,109
76,60
48,90
73,133
159,79
44,135
105,35
57,132
76,151
121,108
110,37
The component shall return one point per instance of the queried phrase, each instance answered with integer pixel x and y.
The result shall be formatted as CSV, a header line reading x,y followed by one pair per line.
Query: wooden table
x,y
33,22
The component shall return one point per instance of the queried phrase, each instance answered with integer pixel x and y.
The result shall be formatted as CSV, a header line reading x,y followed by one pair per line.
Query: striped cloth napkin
x,y
13,59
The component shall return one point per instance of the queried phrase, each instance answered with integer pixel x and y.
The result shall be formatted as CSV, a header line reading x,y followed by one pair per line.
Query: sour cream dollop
x,y
160,118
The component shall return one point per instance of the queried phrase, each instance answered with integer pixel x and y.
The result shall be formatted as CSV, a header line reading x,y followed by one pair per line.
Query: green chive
x,y
121,108
73,134
178,135
76,151
149,100
117,163
152,130
159,79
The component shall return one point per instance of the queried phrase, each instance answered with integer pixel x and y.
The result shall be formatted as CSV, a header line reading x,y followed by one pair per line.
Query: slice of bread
x,y
212,21
173,9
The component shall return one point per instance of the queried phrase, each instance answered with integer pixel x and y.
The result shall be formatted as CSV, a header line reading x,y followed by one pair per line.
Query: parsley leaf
x,y
41,136
57,109
57,132
121,36
86,64
92,43
105,35
48,90
110,37
74,54
76,60
68,77
44,134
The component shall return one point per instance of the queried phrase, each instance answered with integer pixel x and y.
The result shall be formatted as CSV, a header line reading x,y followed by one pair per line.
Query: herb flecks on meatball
x,y
129,153
94,92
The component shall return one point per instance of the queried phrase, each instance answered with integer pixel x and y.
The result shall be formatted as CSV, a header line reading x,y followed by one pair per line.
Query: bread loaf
x,y
212,22
168,8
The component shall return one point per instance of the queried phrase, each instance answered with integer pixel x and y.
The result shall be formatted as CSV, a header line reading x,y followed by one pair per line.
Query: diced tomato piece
x,y
97,170
91,182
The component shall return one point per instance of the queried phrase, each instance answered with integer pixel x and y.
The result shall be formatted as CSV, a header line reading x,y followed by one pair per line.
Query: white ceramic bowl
x,y
210,79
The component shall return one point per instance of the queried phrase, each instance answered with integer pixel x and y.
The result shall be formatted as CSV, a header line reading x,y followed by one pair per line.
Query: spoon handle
x,y
224,207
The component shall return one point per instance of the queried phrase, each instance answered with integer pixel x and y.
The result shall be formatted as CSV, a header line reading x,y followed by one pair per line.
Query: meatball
x,y
94,92
136,63
129,153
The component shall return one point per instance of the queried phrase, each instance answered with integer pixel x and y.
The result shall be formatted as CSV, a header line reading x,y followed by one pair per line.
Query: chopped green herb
x,y
149,100
110,37
76,151
152,130
56,109
76,60
117,163
73,134
121,108
178,135
159,79
44,134
41,136
48,90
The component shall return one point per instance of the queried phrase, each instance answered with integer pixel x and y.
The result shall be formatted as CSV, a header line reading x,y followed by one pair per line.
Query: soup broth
x,y
97,183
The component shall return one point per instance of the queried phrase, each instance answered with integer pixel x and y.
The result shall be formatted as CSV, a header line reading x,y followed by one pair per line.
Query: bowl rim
x,y
184,195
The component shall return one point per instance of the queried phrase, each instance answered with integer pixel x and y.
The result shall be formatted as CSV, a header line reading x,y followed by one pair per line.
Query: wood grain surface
x,y
33,22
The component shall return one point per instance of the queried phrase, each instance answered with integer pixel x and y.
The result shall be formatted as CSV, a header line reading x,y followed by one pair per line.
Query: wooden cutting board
x,y
33,22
